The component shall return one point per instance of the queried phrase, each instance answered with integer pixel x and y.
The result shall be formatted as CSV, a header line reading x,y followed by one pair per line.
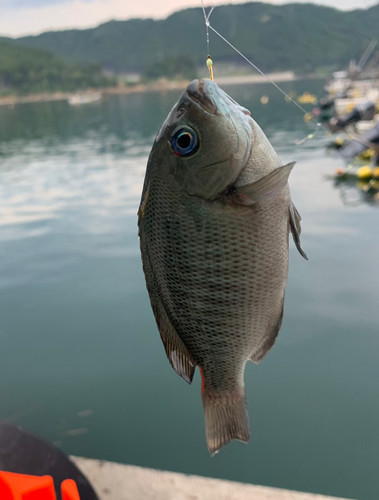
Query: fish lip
x,y
200,92
197,93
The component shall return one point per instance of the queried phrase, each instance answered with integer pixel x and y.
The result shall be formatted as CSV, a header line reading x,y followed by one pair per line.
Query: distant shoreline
x,y
159,86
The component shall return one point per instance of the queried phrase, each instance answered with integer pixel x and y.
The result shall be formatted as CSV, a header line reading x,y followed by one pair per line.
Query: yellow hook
x,y
210,64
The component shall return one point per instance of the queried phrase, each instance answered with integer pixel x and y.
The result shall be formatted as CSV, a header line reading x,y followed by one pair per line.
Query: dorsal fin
x,y
177,353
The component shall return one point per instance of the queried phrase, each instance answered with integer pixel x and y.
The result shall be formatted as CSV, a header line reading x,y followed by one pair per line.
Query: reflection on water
x,y
356,192
81,361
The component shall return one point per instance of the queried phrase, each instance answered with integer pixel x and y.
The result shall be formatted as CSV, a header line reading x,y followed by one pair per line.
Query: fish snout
x,y
199,91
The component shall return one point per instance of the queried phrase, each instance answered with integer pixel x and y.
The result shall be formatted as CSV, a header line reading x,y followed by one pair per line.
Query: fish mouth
x,y
210,98
198,92
205,92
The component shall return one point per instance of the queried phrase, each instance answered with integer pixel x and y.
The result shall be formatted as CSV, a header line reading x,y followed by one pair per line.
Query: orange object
x,y
23,487
69,490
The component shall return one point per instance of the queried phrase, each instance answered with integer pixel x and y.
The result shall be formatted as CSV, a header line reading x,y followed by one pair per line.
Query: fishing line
x,y
209,26
309,136
206,20
318,124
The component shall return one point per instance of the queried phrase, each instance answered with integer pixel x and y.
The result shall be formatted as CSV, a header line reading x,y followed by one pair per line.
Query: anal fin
x,y
269,340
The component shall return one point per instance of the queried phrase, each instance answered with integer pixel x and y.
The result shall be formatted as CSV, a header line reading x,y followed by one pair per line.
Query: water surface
x,y
81,361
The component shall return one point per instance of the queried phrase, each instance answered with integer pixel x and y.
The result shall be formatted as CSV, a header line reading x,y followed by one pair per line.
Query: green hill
x,y
301,37
26,70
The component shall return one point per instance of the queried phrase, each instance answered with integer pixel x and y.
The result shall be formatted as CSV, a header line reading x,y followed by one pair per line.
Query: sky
x,y
24,17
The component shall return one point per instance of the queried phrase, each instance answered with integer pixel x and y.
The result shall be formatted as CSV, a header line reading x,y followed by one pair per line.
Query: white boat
x,y
340,83
365,125
78,99
345,105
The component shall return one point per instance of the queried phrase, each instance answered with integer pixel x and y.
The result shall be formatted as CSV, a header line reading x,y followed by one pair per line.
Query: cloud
x,y
16,4
21,17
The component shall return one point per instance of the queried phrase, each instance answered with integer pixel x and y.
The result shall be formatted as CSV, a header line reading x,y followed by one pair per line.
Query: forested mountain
x,y
26,70
296,36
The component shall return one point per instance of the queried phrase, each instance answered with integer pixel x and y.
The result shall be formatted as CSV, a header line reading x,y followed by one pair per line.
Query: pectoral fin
x,y
264,189
295,228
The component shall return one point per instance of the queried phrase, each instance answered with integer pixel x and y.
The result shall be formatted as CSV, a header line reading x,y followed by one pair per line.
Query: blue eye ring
x,y
184,141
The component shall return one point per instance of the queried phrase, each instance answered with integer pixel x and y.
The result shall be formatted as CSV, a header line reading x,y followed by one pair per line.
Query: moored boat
x,y
87,98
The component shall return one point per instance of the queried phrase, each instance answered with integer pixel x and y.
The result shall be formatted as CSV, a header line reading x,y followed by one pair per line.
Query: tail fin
x,y
226,418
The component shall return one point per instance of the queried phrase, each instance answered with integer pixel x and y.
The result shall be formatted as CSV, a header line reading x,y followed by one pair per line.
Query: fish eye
x,y
184,141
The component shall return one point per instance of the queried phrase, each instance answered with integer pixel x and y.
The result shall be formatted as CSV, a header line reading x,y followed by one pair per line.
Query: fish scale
x,y
214,243
232,279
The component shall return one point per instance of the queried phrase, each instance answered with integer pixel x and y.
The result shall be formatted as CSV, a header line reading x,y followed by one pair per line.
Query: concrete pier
x,y
114,481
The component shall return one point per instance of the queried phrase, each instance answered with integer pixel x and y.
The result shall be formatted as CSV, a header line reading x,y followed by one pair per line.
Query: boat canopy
x,y
356,147
364,111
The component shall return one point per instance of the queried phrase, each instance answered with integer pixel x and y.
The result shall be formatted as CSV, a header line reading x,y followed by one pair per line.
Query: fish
x,y
214,223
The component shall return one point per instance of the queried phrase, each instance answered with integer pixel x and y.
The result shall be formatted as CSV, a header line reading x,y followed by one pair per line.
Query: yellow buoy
x,y
307,98
364,172
308,117
265,99
339,141
367,155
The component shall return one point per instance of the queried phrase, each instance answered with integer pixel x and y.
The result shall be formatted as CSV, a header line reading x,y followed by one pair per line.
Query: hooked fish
x,y
214,221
